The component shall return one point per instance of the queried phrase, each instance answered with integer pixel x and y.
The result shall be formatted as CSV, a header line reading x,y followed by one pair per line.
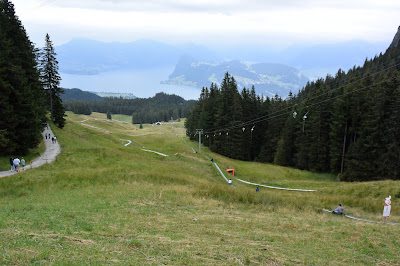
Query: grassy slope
x,y
122,118
102,202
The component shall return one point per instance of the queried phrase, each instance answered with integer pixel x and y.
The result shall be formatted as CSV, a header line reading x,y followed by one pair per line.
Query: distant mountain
x,y
396,39
132,67
79,95
90,57
314,61
268,79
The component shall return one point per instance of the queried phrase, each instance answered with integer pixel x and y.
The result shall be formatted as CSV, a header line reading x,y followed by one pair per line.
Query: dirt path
x,y
50,154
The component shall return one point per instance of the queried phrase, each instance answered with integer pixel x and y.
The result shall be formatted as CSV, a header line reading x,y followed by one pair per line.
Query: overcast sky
x,y
211,22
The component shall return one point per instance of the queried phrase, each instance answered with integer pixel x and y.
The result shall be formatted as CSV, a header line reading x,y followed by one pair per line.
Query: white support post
x,y
199,131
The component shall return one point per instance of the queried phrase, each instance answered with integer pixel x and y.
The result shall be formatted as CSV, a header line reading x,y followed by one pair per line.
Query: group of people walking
x,y
53,139
16,163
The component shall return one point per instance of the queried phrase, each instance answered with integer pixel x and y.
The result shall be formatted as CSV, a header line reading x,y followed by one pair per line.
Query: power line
x,y
39,5
45,3
285,112
268,116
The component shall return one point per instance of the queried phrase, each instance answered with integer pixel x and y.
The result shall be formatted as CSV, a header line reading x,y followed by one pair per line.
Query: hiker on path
x,y
16,164
55,139
230,182
12,164
49,156
23,163
45,135
338,210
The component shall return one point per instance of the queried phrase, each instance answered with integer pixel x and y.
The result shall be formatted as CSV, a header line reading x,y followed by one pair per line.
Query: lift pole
x,y
199,131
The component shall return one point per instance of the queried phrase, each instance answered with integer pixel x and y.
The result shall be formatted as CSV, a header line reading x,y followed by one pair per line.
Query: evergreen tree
x,y
276,121
21,95
390,157
339,132
226,115
51,82
286,145
206,121
318,126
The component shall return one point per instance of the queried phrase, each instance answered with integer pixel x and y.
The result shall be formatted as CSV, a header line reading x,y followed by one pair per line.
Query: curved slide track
x,y
129,142
281,188
361,219
290,189
156,152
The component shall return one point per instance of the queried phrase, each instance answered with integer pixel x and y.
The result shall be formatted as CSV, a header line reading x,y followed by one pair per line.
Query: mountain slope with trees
x,y
22,111
269,79
79,95
161,107
29,82
347,124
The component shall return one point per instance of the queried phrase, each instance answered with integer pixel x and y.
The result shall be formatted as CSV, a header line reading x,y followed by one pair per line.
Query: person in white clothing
x,y
230,181
16,164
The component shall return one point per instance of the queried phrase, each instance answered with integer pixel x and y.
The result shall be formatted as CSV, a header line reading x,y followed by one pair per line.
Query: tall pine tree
x,y
51,82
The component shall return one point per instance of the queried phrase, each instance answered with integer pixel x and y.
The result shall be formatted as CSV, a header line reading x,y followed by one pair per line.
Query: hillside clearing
x,y
103,202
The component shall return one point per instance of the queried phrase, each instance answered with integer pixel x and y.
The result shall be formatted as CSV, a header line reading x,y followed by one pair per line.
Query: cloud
x,y
213,6
217,6
211,21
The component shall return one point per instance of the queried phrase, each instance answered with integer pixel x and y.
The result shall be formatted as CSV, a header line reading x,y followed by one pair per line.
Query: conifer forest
x,y
28,86
347,124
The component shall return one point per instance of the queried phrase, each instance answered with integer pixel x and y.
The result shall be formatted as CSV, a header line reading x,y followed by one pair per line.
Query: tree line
x,y
28,85
347,124
161,107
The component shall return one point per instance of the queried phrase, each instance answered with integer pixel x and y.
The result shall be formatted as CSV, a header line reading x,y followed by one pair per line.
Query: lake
x,y
142,83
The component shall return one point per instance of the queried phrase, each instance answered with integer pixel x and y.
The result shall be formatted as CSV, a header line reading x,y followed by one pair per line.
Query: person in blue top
x,y
23,163
257,189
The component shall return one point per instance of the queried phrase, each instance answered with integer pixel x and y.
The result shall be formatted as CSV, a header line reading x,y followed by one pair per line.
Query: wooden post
x,y
344,149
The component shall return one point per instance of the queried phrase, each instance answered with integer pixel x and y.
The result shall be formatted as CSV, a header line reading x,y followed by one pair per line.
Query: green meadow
x,y
105,203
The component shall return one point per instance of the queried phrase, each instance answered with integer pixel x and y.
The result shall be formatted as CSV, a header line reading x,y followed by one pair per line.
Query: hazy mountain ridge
x,y
118,61
90,57
396,39
79,95
85,56
268,78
